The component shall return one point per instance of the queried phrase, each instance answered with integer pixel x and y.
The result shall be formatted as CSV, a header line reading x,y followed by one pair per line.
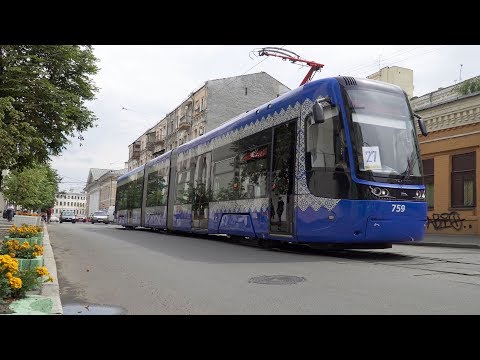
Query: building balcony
x,y
184,125
150,146
135,154
159,141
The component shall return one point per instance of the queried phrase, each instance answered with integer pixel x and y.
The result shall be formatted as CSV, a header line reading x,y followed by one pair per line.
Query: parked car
x,y
68,215
54,218
100,216
81,218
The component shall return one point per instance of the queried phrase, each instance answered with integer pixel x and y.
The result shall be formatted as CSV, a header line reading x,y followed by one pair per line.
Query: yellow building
x,y
451,159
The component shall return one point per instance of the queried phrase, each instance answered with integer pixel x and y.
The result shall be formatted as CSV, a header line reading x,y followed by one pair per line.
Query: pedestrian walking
x,y
280,206
272,211
10,210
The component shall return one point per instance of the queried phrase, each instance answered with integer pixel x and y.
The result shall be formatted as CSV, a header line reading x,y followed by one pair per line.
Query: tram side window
x,y
202,194
202,173
253,173
129,189
185,169
320,145
135,193
225,183
326,159
122,195
157,183
253,163
240,169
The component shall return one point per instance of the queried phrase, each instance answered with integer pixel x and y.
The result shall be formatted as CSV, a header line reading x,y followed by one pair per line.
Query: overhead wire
x,y
375,62
371,68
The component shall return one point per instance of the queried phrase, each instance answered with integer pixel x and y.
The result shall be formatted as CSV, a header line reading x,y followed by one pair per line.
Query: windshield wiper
x,y
409,170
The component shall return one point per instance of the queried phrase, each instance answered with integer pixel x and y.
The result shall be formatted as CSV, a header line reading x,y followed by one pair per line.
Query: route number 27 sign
x,y
371,158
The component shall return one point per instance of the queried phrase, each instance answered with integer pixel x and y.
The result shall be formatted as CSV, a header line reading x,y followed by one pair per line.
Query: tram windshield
x,y
383,136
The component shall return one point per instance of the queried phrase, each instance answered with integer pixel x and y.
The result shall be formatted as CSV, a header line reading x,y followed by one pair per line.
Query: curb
x,y
450,245
51,290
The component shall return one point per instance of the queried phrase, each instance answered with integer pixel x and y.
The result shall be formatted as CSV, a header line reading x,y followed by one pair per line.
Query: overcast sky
x,y
151,81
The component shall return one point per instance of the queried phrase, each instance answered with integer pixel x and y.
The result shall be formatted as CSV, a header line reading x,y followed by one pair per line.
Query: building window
x,y
428,170
463,180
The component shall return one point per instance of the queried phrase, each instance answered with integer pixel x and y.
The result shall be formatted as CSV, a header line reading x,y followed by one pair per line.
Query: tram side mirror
x,y
323,110
318,114
421,125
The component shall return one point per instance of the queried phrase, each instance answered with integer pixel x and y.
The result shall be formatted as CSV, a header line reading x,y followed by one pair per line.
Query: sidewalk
x,y
456,241
51,289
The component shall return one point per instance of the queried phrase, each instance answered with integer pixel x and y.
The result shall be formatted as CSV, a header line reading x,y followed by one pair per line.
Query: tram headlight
x,y
420,194
379,192
376,191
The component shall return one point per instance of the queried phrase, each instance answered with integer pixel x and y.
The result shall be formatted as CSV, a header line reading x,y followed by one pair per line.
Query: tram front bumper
x,y
395,229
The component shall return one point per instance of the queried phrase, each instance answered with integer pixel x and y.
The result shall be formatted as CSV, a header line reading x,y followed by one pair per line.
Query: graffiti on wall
x,y
445,221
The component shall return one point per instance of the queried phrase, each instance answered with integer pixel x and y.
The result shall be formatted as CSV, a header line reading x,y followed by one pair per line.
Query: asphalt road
x,y
144,272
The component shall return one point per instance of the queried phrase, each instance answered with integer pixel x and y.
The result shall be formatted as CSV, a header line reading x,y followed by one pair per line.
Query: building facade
x,y
214,103
74,201
451,159
101,189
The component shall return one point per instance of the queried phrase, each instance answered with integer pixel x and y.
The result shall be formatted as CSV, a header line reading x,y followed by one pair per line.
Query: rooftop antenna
x,y
461,65
293,58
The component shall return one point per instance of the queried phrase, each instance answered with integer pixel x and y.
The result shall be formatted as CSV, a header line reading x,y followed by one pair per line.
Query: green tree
x,y
43,89
469,86
33,188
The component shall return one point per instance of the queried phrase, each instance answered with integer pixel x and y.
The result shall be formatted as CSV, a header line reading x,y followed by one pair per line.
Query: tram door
x,y
282,179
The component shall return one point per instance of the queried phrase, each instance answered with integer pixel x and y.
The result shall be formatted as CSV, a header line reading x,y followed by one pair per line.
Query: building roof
x,y
114,173
439,97
97,173
94,174
248,75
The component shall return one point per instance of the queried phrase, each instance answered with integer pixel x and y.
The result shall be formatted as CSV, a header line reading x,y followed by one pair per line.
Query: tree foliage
x,y
469,86
43,89
33,188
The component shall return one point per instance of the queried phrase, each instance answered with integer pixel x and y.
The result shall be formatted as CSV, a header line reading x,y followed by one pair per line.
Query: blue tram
x,y
333,163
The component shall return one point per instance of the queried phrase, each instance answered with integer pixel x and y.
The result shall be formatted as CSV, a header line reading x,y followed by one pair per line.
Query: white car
x,y
100,217
54,219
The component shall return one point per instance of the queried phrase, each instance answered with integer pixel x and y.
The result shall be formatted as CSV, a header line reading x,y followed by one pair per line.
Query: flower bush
x,y
24,251
24,213
15,283
23,231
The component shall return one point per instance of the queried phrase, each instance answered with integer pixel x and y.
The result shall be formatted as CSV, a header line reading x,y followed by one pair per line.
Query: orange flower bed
x,y
26,213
